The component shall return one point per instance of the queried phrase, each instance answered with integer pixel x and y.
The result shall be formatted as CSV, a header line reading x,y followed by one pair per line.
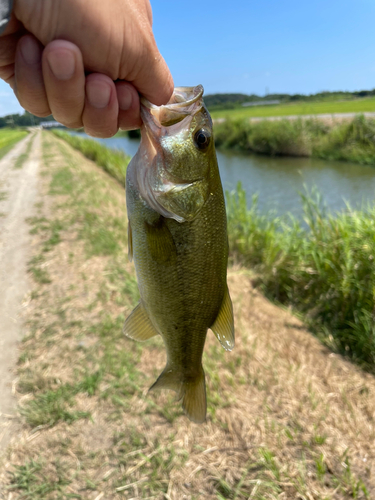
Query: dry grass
x,y
287,419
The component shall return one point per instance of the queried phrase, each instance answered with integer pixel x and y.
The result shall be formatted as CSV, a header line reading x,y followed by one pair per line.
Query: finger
x,y
29,85
8,45
100,114
153,79
7,74
13,26
129,116
64,79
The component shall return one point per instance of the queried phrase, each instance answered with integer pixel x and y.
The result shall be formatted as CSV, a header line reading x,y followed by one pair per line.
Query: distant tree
x,y
24,120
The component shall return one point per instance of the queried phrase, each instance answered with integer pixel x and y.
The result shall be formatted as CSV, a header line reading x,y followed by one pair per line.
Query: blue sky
x,y
249,46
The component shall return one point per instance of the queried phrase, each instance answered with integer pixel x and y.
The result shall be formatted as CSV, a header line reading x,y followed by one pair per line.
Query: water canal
x,y
278,180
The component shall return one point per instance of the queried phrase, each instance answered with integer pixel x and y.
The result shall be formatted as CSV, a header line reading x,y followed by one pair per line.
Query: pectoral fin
x,y
130,242
223,326
138,325
160,241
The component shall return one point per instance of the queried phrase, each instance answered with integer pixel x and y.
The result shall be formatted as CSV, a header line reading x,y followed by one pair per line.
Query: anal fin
x,y
223,326
138,325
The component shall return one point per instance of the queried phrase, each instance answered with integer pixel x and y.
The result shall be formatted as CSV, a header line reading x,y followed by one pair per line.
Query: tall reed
x,y
350,141
324,268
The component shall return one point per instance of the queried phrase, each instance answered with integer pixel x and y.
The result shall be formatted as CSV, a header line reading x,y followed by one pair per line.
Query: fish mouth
x,y
185,101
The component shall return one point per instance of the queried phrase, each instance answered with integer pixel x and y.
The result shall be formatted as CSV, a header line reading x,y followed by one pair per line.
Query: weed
x,y
324,270
62,181
52,406
99,239
39,273
114,162
353,141
35,482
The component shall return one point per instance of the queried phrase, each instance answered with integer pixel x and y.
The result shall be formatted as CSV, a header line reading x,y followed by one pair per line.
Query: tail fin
x,y
192,391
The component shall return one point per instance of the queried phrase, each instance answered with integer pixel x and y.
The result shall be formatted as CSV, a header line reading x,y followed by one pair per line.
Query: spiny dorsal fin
x,y
138,325
160,241
223,326
130,242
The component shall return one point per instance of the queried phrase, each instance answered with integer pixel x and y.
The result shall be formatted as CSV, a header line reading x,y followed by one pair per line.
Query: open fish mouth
x,y
185,101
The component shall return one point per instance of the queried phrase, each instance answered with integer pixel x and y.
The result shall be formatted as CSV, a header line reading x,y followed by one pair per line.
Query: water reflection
x,y
278,180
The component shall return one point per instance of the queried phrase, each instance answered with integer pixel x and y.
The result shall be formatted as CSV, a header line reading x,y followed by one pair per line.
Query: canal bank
x,y
279,180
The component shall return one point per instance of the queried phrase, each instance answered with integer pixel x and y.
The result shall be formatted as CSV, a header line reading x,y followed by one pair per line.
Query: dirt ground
x,y
287,418
18,189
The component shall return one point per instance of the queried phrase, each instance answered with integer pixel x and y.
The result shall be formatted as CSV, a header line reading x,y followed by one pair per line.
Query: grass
x,y
8,138
285,420
350,141
299,108
324,270
114,162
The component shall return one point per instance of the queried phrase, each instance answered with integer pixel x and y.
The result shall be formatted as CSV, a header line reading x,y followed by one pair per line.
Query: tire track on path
x,y
18,190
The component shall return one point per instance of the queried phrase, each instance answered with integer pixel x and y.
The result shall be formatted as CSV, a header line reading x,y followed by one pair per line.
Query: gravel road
x,y
18,189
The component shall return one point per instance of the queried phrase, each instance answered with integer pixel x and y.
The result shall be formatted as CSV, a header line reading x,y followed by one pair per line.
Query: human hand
x,y
49,45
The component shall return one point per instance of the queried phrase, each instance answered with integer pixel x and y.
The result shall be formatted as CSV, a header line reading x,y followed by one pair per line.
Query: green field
x,y
8,138
299,108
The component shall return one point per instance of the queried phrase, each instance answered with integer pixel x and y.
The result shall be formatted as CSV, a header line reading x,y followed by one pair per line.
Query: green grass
x,y
299,108
114,162
324,271
349,141
53,406
10,137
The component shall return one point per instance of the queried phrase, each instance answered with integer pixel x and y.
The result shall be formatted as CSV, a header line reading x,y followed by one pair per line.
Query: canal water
x,y
278,180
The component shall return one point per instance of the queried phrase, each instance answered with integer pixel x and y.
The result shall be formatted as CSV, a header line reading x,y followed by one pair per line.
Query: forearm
x,y
5,13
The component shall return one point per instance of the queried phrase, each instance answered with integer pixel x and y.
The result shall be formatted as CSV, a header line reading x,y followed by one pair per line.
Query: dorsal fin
x,y
223,326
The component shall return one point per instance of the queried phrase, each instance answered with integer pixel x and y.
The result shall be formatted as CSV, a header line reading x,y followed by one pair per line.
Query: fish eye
x,y
202,139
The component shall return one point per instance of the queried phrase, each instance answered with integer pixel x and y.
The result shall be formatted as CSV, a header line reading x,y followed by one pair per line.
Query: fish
x,y
177,238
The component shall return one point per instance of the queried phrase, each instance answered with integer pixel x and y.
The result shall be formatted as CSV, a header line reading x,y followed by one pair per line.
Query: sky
x,y
262,46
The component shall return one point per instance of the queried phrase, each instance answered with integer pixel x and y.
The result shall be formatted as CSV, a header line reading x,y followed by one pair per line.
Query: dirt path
x,y
18,188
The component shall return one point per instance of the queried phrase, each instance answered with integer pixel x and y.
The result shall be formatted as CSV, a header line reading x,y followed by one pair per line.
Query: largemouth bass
x,y
178,240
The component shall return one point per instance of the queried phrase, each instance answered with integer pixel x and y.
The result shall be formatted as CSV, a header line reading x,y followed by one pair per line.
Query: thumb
x,y
154,80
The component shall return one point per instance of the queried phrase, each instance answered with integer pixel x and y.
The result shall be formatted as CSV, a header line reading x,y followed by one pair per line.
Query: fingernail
x,y
30,50
124,96
62,63
98,93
